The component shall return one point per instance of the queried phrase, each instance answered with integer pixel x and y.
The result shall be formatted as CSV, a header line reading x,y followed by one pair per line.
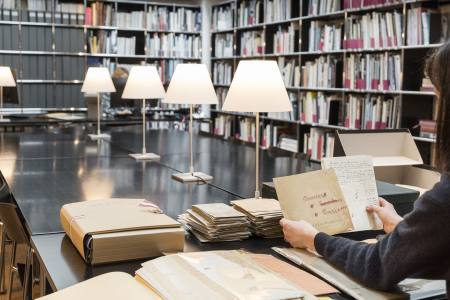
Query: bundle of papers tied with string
x,y
120,229
216,222
264,216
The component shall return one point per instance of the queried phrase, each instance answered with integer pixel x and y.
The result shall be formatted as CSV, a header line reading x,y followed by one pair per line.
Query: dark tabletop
x,y
46,169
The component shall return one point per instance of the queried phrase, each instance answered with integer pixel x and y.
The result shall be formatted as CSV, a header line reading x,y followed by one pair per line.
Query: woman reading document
x,y
417,245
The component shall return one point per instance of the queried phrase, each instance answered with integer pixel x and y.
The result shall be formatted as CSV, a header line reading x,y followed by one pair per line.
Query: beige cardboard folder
x,y
394,154
119,229
218,275
111,286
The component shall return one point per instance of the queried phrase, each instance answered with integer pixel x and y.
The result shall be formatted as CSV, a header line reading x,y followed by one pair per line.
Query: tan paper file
x,y
111,286
322,268
218,275
315,197
119,229
303,279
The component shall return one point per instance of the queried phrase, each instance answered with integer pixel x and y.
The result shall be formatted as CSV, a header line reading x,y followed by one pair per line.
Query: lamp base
x,y
101,136
145,156
192,177
4,120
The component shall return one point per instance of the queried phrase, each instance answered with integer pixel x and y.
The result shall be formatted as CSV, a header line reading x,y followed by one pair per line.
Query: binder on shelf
x,y
395,155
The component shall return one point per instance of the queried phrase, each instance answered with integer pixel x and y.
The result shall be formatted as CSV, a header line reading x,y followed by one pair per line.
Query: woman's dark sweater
x,y
418,247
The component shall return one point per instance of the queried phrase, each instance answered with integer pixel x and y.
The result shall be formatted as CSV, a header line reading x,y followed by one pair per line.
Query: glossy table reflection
x,y
41,187
231,164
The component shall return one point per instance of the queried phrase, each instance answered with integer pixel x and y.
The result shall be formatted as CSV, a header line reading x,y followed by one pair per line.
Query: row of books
x,y
109,43
319,108
223,45
40,5
250,12
173,45
322,7
324,37
9,4
103,42
372,112
373,72
222,73
166,68
374,30
291,115
182,19
99,14
221,93
222,17
277,10
320,73
252,43
71,8
223,125
290,71
126,45
423,26
355,4
318,143
134,19
284,40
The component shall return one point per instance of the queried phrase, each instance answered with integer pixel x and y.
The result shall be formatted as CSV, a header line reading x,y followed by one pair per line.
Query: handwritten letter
x,y
316,198
357,180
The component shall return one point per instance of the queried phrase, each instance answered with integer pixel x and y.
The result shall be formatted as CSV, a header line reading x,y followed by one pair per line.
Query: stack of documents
x,y
216,222
264,216
219,275
112,230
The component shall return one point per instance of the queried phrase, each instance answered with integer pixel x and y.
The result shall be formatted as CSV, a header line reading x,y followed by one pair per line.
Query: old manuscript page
x,y
315,197
357,180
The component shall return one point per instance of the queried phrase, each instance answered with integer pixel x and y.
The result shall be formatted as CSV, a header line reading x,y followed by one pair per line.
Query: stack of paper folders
x,y
218,275
264,216
112,230
216,222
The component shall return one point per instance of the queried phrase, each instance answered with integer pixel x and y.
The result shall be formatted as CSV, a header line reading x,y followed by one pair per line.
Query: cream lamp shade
x,y
191,84
6,77
98,80
143,83
257,86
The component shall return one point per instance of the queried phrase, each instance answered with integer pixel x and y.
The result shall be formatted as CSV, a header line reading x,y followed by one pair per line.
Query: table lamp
x,y
143,83
191,84
257,87
6,80
98,80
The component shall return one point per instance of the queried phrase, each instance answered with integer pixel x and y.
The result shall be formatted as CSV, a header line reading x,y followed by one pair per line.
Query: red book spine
x,y
88,16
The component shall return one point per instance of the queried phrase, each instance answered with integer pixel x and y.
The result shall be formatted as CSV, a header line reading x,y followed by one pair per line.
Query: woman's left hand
x,y
300,234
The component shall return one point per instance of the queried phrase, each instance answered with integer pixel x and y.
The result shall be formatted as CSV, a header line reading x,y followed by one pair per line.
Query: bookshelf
x,y
51,43
324,54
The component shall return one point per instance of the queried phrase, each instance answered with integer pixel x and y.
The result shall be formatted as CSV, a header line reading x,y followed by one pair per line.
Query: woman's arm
x,y
418,245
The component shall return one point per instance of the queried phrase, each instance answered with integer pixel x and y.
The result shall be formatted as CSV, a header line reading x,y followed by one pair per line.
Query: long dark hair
x,y
438,70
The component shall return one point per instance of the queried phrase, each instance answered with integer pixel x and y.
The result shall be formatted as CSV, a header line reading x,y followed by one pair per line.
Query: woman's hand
x,y
387,214
300,234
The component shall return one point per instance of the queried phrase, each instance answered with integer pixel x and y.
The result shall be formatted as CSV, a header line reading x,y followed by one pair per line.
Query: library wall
x,y
350,64
50,44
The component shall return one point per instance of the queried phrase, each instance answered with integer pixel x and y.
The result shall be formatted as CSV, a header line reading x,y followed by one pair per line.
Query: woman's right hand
x,y
387,214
